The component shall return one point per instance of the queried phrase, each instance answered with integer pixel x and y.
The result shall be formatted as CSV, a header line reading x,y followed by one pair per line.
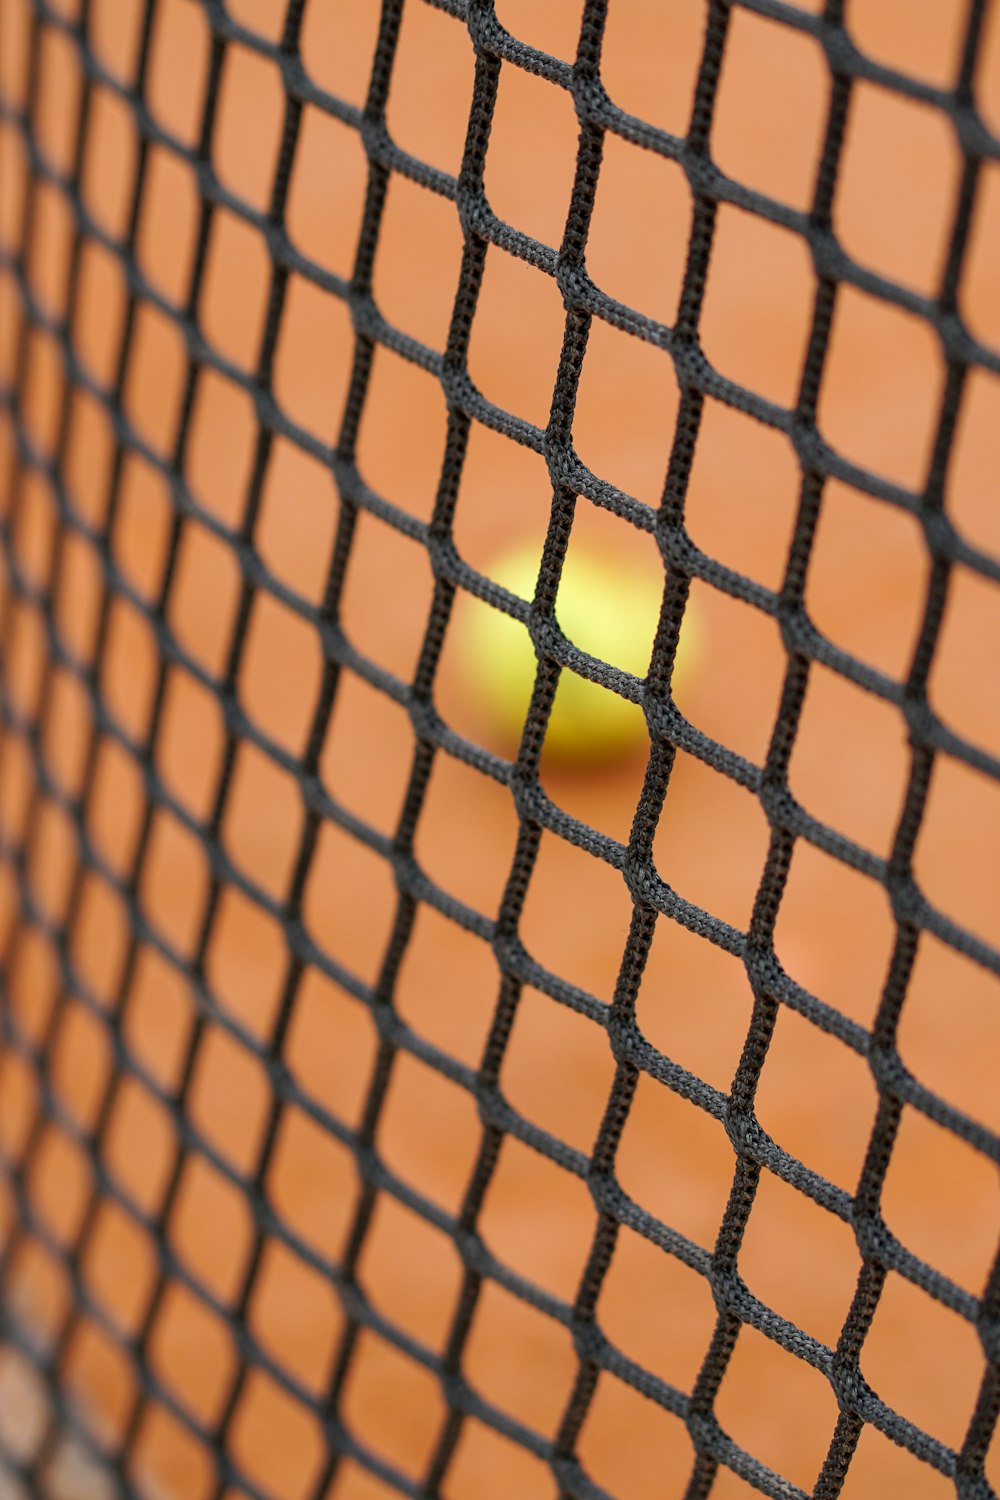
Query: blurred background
x,y
143,988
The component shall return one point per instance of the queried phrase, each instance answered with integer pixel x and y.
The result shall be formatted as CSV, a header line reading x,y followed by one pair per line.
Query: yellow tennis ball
x,y
605,608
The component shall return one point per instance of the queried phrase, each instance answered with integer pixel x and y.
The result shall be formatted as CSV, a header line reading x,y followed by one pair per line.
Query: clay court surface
x,y
864,593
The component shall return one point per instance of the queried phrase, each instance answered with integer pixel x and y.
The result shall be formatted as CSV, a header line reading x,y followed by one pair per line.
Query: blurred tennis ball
x,y
605,608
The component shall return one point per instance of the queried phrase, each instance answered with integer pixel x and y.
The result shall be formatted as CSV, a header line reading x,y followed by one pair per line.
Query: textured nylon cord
x,y
652,899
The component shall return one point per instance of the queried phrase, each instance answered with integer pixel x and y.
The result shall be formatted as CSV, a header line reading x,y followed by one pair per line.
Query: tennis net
x,y
303,306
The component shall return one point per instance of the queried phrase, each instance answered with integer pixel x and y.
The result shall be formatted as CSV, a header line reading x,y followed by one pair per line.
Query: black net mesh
x,y
102,1127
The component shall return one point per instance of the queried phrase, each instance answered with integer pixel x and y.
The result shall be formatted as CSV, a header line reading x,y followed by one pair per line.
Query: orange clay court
x,y
865,593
